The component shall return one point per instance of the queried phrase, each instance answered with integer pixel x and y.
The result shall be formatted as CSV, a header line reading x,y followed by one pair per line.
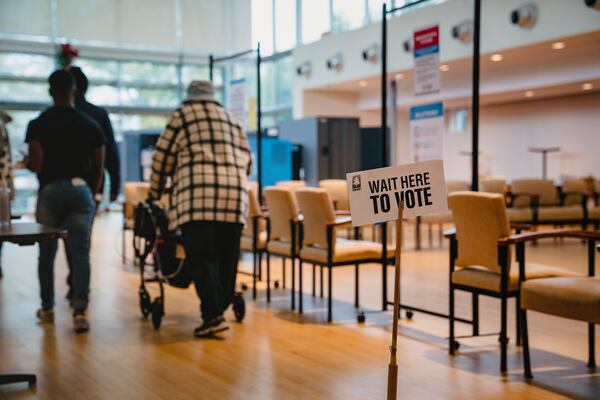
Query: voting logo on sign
x,y
376,194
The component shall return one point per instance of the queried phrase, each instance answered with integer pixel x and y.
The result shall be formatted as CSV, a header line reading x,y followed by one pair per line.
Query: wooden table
x,y
26,234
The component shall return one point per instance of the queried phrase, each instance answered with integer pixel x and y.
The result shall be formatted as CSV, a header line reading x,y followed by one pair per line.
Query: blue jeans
x,y
62,205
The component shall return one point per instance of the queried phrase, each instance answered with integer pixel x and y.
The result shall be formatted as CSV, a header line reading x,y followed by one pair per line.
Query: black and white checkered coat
x,y
205,153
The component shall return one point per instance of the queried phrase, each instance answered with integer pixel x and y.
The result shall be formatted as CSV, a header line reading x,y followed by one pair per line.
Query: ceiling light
x,y
399,77
362,83
529,93
496,57
587,86
444,67
558,45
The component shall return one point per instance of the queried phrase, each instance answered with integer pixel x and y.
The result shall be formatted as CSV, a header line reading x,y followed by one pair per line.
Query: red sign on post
x,y
427,60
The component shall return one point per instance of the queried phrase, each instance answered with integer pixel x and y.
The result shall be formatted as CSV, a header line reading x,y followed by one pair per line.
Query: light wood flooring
x,y
274,353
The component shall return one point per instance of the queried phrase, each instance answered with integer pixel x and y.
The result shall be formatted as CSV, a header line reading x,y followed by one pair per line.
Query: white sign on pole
x,y
427,60
427,132
237,101
375,194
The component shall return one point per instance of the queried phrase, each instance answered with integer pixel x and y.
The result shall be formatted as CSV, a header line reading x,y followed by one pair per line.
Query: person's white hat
x,y
200,91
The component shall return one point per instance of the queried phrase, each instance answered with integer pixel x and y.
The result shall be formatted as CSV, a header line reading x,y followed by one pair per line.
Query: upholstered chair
x,y
254,234
134,194
292,185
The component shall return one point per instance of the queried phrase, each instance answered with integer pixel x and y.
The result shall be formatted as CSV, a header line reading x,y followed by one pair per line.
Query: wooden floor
x,y
274,353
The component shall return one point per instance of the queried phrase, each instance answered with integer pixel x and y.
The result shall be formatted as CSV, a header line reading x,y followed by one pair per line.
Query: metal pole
x,y
393,122
475,99
384,146
210,67
258,123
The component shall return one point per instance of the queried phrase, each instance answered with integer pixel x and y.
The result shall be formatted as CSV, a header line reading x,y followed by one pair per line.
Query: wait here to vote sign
x,y
375,194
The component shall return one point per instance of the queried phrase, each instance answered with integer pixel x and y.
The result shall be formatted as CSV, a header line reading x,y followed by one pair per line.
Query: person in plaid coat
x,y
204,153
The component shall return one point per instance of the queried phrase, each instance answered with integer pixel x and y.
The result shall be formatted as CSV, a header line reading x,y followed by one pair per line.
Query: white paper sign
x,y
427,132
427,60
237,101
375,194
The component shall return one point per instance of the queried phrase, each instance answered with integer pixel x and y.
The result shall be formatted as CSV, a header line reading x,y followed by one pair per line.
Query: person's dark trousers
x,y
212,251
64,205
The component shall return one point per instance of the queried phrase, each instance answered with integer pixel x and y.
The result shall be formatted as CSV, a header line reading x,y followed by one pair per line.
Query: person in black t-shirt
x,y
66,150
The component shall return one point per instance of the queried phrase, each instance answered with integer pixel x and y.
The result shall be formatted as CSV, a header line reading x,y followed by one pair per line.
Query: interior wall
x,y
508,130
325,103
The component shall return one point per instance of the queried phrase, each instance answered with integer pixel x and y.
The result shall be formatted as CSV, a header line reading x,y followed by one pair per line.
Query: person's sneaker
x,y
80,323
210,327
45,315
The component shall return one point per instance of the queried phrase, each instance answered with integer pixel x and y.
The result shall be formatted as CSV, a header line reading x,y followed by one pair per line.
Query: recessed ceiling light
x,y
587,86
399,77
496,57
363,83
529,93
558,45
444,67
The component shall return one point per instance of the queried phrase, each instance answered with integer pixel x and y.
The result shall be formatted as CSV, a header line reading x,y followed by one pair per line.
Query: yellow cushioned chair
x,y
575,298
480,261
134,194
292,185
320,245
282,232
254,235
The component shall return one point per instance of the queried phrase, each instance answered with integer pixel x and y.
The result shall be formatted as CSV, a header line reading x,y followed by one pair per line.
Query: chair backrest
x,y
457,186
135,193
574,186
480,220
338,191
317,210
544,188
494,184
283,208
292,185
253,209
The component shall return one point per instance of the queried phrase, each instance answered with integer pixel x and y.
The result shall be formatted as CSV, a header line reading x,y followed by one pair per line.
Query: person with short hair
x,y
204,152
66,150
6,174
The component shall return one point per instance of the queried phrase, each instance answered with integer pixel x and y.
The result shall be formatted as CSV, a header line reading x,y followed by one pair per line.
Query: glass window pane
x,y
137,122
283,84
267,82
27,65
348,15
145,97
374,10
194,72
103,95
99,69
24,91
149,72
285,24
262,24
315,19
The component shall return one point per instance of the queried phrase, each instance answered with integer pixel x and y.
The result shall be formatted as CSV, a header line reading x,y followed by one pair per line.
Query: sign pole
x,y
393,367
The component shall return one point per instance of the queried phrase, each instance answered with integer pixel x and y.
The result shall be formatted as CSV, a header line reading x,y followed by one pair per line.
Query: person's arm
x,y
35,158
163,161
97,169
111,160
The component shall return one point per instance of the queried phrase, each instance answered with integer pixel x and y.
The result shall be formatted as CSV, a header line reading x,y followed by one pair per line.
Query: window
x,y
262,24
348,14
285,24
315,19
458,120
148,72
374,9
26,65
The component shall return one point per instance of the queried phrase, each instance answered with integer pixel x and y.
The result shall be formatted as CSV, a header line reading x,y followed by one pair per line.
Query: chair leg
x,y
430,234
441,234
293,292
300,286
283,273
268,278
525,334
123,258
475,313
451,342
321,286
356,285
384,285
591,346
330,293
254,274
503,336
519,329
314,280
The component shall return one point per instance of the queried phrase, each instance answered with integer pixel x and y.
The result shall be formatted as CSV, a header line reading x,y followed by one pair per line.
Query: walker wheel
x,y
454,346
145,302
239,306
409,314
157,312
276,284
361,318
